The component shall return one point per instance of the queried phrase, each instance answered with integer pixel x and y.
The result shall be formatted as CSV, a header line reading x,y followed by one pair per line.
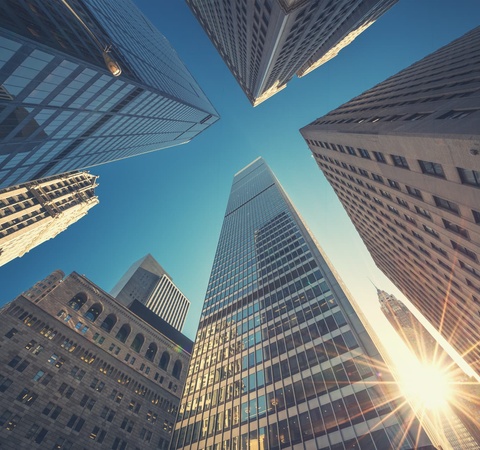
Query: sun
x,y
426,387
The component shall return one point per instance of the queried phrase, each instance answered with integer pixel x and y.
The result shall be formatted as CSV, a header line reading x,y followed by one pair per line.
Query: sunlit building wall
x,y
281,359
404,160
34,212
147,282
266,42
60,107
79,370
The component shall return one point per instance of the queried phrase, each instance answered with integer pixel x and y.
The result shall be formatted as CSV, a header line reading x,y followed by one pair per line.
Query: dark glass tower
x,y
60,107
281,358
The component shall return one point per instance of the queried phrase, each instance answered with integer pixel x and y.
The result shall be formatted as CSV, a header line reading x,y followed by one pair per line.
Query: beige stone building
x,y
37,211
265,43
404,160
78,370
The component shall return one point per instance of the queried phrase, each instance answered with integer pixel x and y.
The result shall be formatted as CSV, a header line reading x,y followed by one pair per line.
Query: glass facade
x,y
62,110
281,359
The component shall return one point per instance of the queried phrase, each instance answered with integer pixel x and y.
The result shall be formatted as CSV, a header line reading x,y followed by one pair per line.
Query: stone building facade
x,y
78,370
34,212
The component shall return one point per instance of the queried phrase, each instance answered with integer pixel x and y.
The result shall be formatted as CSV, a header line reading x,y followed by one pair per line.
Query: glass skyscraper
x,y
281,359
60,107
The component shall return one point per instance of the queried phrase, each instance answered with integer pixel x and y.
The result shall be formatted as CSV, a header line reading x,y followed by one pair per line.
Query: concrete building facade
x,y
34,212
78,370
404,160
60,107
147,282
266,42
281,358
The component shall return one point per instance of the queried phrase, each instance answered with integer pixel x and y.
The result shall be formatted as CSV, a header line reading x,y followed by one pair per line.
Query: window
x,y
119,444
151,351
423,212
107,414
445,204
410,219
414,192
5,383
470,269
97,434
27,397
11,333
109,323
23,365
417,116
476,216
363,172
457,114
393,184
351,150
393,210
431,168
455,228
177,369
127,425
38,376
471,177
402,202
123,333
93,313
363,153
464,250
138,342
78,301
377,177
400,161
380,157
164,360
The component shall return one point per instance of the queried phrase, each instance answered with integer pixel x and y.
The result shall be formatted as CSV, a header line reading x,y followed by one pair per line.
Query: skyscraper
x,y
79,370
281,356
458,422
35,212
266,42
60,107
147,282
403,158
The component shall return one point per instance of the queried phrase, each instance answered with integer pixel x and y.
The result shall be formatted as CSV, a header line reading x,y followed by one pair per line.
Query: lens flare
x,y
427,387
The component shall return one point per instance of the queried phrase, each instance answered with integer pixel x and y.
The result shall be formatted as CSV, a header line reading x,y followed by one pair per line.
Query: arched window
x,y
109,322
177,369
78,301
93,313
151,351
138,342
123,333
164,360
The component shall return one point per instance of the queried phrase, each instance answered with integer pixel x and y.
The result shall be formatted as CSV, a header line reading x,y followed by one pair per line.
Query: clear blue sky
x,y
171,203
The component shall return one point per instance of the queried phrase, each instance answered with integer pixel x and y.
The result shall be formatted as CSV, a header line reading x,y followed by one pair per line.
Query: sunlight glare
x,y
427,387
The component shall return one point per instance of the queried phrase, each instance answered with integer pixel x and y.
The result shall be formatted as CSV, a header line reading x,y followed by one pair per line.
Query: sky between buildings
x,y
171,203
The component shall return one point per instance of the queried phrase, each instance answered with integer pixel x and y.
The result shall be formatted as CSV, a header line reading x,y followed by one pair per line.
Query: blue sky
x,y
171,203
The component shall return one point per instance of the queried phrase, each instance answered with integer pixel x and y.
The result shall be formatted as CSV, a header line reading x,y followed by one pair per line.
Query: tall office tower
x,y
281,359
404,160
35,212
60,107
413,333
147,282
266,42
79,370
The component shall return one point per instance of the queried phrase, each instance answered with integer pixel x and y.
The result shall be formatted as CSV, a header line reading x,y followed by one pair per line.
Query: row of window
x,y
467,176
